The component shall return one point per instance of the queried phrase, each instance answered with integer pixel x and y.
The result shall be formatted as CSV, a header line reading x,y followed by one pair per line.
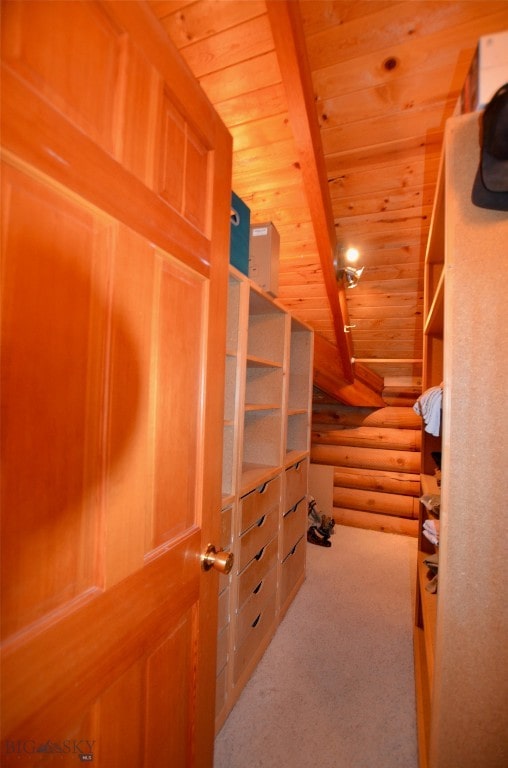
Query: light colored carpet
x,y
335,687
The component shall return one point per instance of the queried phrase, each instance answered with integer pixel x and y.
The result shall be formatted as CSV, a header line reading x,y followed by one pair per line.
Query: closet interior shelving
x,y
266,438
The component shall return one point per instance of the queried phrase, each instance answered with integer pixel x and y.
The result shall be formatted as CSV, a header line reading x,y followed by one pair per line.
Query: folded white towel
x,y
428,406
431,537
432,526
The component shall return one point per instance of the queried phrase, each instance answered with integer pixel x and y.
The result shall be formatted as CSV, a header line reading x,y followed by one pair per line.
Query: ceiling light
x,y
350,275
352,255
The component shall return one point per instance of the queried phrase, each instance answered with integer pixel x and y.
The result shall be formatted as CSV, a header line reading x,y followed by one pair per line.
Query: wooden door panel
x,y
169,695
118,409
113,323
183,156
143,715
181,315
118,730
68,156
97,47
53,317
170,153
136,144
52,678
126,474
197,196
101,54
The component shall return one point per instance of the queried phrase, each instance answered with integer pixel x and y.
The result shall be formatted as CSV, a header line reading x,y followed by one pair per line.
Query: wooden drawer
x,y
296,484
294,526
252,608
222,648
226,527
259,502
256,538
257,569
223,613
262,626
220,690
226,531
224,582
293,569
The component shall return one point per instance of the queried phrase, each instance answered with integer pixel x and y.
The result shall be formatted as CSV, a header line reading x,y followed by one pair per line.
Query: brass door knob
x,y
220,560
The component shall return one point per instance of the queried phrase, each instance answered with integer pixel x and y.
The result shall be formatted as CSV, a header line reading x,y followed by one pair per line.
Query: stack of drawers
x,y
256,570
224,612
269,545
294,527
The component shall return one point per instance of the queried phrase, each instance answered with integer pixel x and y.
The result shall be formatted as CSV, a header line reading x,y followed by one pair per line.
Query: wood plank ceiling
x,y
337,110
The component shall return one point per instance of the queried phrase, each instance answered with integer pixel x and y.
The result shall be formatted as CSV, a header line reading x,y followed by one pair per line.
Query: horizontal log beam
x,y
368,437
399,400
368,458
373,501
398,418
377,480
371,521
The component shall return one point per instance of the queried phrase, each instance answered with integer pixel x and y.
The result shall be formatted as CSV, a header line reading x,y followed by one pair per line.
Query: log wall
x,y
376,458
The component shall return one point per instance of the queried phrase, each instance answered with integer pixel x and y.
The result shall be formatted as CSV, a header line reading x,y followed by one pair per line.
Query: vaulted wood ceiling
x,y
337,110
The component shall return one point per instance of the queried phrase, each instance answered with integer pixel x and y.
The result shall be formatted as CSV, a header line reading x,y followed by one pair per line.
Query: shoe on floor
x,y
314,538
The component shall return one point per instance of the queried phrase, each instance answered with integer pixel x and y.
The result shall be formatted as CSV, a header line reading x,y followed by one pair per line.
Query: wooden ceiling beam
x,y
328,378
290,47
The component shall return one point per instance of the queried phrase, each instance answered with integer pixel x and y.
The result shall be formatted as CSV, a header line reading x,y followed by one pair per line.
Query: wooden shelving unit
x,y
267,416
460,634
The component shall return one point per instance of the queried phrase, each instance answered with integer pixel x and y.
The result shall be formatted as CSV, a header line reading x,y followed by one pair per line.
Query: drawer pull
x,y
256,621
263,487
259,555
256,589
261,521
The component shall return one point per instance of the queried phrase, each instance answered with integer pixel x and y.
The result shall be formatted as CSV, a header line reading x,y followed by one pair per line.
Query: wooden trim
x,y
329,377
368,376
388,360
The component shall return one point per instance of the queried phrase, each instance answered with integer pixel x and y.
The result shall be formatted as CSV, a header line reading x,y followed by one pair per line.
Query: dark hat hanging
x,y
490,189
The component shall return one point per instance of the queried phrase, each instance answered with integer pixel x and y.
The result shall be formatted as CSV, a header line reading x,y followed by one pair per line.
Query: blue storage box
x,y
240,233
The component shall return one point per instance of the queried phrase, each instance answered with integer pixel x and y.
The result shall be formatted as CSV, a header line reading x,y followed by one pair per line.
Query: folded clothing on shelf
x,y
428,406
431,531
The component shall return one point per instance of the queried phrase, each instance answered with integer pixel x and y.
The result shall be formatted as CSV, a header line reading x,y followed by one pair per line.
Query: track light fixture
x,y
343,270
352,255
350,275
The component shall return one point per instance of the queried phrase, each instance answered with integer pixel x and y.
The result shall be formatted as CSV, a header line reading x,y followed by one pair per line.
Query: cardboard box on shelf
x,y
488,72
264,257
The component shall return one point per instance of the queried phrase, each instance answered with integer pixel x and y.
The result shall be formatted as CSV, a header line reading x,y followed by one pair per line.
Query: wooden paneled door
x,y
116,178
